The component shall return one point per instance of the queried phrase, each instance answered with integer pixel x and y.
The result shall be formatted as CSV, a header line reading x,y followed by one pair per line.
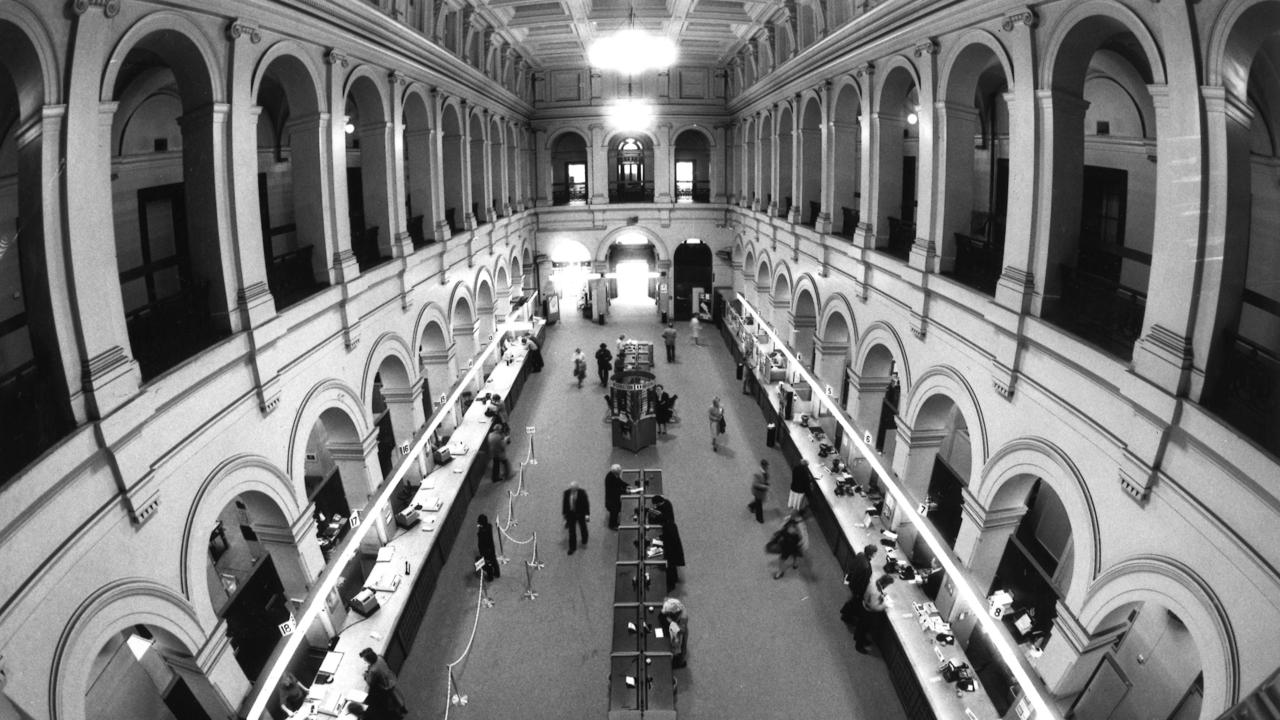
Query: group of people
x,y
383,702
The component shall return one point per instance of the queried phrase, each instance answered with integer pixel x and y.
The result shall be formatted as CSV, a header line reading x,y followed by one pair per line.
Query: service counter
x,y
913,657
408,566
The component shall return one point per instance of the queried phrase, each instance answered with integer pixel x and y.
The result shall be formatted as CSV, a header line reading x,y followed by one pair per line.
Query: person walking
x,y
801,479
576,508
715,415
792,540
662,514
695,326
669,338
675,621
604,361
484,545
873,609
663,408
614,488
385,699
759,491
858,578
579,365
498,439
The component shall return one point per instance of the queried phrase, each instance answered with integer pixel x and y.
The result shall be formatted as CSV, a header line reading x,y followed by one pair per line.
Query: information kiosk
x,y
631,397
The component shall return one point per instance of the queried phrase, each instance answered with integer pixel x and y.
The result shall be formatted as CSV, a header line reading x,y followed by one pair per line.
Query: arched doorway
x,y
480,210
569,184
146,672
418,173
368,182
336,475
434,361
451,164
631,260
693,167
462,324
847,137
899,137
570,266
691,277
631,170
810,180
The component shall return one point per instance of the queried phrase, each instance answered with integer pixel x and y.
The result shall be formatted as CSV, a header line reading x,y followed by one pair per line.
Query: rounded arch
x,y
953,63
332,394
782,281
416,101
1234,43
659,245
554,137
431,314
370,94
888,79
763,270
450,109
868,363
501,279
1006,479
1176,587
946,381
483,278
234,477
460,297
1076,35
805,284
846,81
194,61
694,128
389,345
116,606
302,77
807,98
48,71
618,136
838,305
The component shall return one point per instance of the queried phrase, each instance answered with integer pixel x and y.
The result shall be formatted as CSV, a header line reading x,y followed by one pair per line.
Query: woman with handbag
x,y
791,540
715,415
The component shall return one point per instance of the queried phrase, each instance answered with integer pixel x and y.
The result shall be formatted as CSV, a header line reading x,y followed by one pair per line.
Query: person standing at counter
x,y
801,479
675,622
604,361
484,545
715,415
291,694
576,508
873,608
858,578
385,700
498,439
662,514
534,353
759,491
669,339
614,488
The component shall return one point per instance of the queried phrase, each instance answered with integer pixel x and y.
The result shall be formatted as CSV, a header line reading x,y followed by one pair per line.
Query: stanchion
x,y
535,561
502,551
511,510
533,457
485,600
520,488
529,593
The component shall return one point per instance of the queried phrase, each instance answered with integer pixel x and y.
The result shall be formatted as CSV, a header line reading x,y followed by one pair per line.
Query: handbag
x,y
720,425
774,546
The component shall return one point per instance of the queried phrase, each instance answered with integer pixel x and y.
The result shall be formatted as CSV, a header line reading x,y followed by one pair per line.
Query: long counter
x,y
913,657
408,567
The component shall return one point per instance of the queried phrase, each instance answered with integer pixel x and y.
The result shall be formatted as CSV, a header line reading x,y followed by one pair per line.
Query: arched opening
x,y
479,168
417,171
253,571
484,311
693,167
810,201
828,354
291,138
899,139
33,390
750,187
762,289
781,301
434,365
570,265
975,123
937,466
164,170
146,672
1098,259
631,260
569,170
391,407
1151,668
451,164
804,325
368,180
1242,377
786,148
846,143
497,155
879,391
631,170
691,277
462,323
336,476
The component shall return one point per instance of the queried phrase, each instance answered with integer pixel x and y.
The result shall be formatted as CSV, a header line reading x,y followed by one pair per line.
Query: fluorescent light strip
x,y
316,600
1008,653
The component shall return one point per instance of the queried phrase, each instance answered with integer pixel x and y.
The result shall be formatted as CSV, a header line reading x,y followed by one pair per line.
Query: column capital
x,y
1025,17
337,57
110,8
241,27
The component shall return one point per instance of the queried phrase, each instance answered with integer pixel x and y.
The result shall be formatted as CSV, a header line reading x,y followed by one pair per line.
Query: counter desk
x,y
912,656
409,564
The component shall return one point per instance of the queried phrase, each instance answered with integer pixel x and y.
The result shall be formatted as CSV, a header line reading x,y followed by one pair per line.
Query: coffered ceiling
x,y
557,33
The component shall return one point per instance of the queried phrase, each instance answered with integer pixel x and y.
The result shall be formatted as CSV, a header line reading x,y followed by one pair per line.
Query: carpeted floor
x,y
759,647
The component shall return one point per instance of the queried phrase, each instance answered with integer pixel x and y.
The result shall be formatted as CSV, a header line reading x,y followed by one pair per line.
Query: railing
x,y
902,235
364,243
166,332
696,191
635,192
815,209
291,278
34,418
850,219
1100,311
1248,395
784,208
417,232
978,262
569,194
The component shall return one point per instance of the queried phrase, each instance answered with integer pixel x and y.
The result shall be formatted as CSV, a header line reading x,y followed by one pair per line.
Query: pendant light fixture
x,y
632,50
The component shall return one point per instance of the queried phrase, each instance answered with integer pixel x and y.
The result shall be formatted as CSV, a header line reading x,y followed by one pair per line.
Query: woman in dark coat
x,y
484,543
663,406
663,515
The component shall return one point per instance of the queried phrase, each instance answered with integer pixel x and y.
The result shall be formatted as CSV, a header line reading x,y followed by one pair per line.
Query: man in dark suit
x,y
614,488
858,579
576,507
604,360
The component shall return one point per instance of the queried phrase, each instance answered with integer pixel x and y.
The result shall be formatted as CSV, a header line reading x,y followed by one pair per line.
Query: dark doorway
x,y
909,189
690,268
253,618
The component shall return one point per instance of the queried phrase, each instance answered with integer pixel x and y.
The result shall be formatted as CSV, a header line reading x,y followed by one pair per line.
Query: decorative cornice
x,y
1026,16
110,8
337,57
240,27
929,47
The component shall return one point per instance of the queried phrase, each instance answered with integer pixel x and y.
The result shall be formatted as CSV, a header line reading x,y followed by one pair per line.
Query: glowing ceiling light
x,y
632,50
348,127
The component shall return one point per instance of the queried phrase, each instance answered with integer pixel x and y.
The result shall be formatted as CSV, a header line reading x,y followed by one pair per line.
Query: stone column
x,y
1057,205
464,341
868,394
829,361
885,188
984,534
312,192
781,315
802,335
343,262
542,192
913,457
663,166
773,181
716,173
216,661
869,165
1072,653
398,231
405,406
598,166
467,171
928,202
434,365
827,176
1017,279
757,183
361,474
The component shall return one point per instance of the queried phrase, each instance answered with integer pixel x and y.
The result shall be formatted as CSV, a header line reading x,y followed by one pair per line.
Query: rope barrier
x,y
451,697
